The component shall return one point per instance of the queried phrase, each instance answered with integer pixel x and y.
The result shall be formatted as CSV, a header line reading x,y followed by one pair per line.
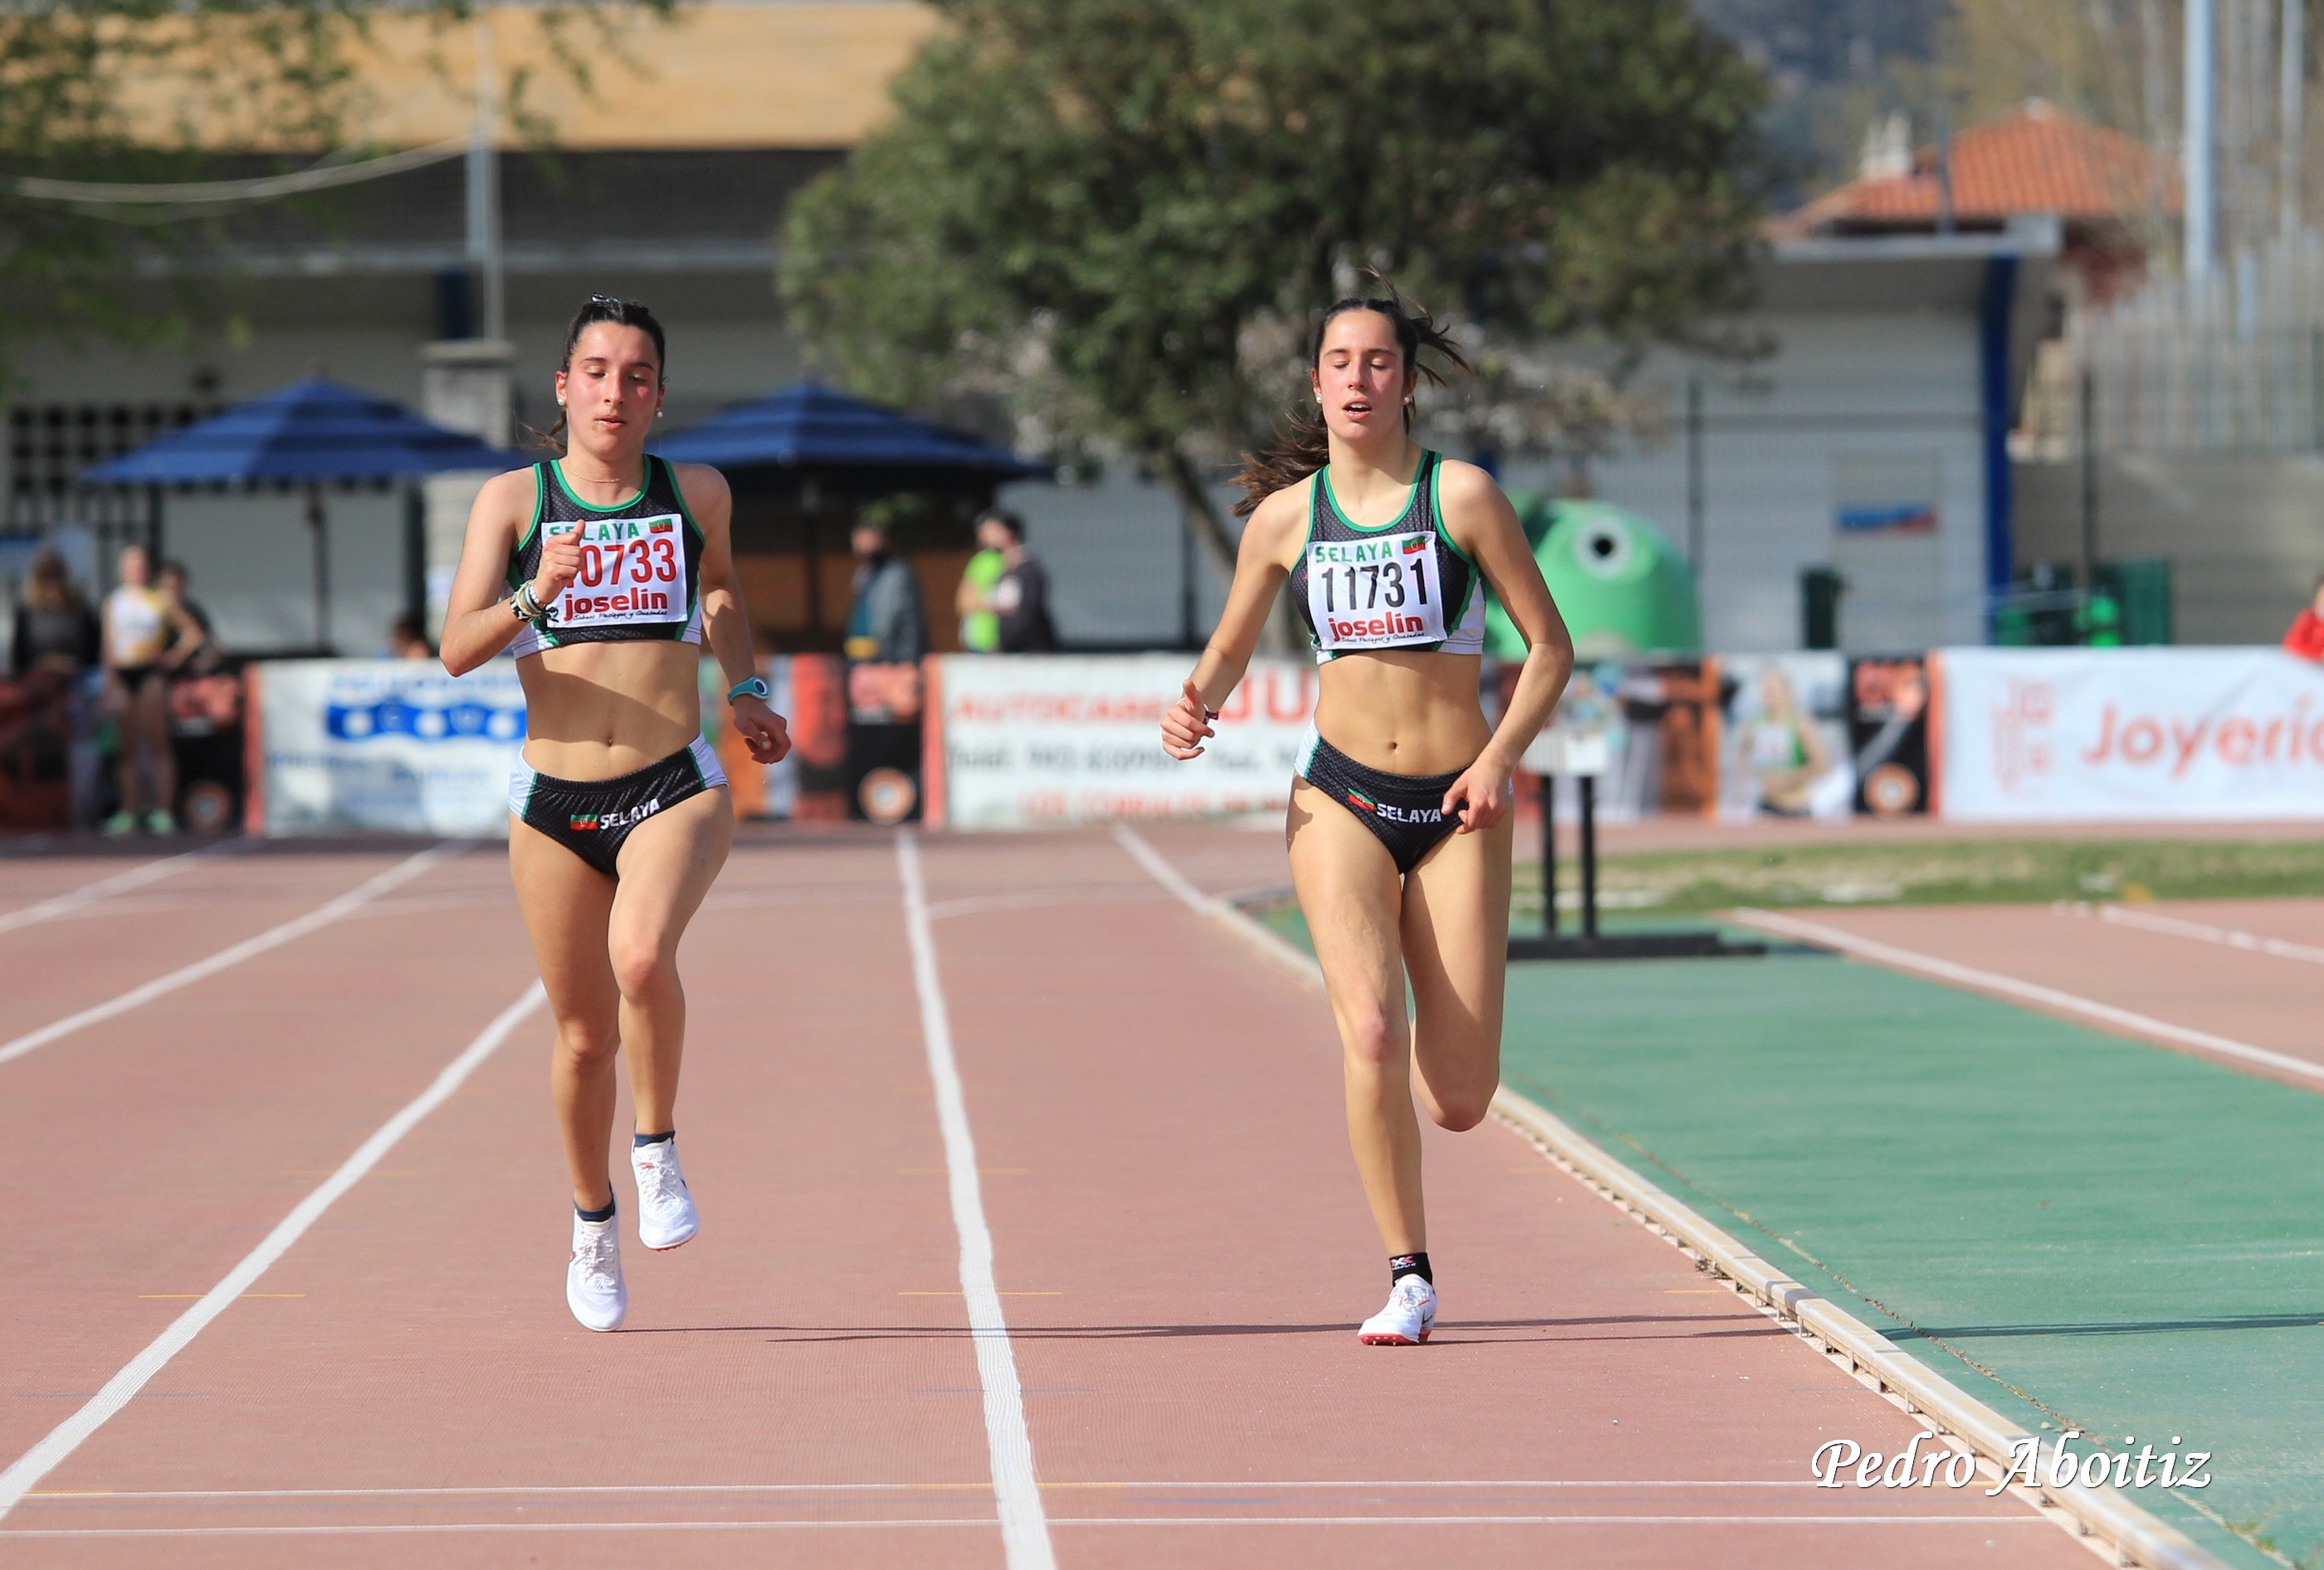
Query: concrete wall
x,y
2245,536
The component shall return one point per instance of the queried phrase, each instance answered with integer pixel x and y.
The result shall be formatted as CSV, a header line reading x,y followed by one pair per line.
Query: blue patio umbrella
x,y
312,433
853,444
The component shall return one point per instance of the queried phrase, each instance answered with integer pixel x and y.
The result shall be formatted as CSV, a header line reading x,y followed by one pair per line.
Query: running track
x,y
1177,1244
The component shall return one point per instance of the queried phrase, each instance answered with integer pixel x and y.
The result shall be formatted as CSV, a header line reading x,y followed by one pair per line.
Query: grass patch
x,y
1940,872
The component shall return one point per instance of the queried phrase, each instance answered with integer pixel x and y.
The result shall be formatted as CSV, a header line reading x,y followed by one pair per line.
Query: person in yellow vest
x,y
146,635
979,624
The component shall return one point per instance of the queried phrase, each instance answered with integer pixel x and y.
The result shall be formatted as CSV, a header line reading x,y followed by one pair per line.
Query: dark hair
x,y
1302,444
167,568
622,313
1005,519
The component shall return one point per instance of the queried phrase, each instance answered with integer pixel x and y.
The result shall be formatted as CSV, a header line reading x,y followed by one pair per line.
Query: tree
x,y
138,90
1116,216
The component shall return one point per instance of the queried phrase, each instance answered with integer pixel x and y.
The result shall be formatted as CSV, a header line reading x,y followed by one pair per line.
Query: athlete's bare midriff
x,y
597,711
1402,710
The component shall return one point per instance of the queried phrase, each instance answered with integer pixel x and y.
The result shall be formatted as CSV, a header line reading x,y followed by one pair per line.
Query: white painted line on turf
x,y
88,894
1017,1496
42,1458
274,937
2101,1510
1992,981
2202,931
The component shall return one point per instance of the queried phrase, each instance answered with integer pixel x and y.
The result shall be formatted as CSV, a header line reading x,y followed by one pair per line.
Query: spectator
x,y
56,631
144,635
980,627
203,657
1020,598
886,620
2305,637
407,640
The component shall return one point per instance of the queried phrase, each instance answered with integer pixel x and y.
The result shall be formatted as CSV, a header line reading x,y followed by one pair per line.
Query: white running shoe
x,y
666,1216
594,1288
1410,1316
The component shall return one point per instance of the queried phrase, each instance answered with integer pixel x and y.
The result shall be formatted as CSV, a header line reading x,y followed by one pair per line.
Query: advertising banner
x,y
1784,736
1889,728
2130,733
1038,741
391,746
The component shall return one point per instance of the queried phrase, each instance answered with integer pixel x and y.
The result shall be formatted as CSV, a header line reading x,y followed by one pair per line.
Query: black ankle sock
x,y
1409,1264
605,1215
640,1141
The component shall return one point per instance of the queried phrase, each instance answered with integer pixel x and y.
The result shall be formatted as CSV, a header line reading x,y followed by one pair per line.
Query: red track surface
x,y
1180,1244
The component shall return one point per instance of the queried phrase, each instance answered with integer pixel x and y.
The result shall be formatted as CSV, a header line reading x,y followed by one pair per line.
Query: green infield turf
x,y
2081,1230
1939,872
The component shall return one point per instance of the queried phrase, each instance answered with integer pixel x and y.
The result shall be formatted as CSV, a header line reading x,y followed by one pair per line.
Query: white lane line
x,y
439,1528
1024,1528
1244,927
1993,982
88,894
42,1458
322,915
2201,931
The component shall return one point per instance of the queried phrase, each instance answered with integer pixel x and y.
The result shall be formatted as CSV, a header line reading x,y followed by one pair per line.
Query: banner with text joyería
x,y
2130,733
1036,741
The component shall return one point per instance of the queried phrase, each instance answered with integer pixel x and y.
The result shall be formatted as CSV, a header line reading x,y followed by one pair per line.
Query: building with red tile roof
x,y
2112,195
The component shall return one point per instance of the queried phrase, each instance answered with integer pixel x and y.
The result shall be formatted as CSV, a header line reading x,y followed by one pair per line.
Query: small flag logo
x,y
1415,544
1358,799
660,526
585,822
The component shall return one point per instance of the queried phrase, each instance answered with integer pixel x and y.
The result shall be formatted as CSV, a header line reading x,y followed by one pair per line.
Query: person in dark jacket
x,y
886,620
56,629
1020,595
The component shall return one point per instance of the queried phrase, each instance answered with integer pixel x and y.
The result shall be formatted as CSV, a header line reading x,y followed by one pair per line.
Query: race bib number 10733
x,y
632,570
1375,593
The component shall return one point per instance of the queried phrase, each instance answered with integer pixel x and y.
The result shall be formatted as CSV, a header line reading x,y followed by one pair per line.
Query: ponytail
x,y
1302,443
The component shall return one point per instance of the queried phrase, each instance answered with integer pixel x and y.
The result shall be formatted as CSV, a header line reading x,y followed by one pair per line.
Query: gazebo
x,y
313,433
806,462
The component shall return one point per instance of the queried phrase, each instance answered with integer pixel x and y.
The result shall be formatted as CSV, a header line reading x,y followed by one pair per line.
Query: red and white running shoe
x,y
1410,1316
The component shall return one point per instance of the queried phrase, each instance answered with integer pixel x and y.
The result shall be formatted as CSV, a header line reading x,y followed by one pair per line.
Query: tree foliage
x,y
145,90
1117,214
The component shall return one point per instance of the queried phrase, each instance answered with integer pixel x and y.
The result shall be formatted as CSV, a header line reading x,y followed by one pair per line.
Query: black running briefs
x,y
592,817
1405,811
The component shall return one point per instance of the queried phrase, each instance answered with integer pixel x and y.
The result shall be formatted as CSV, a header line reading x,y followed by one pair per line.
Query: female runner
x,y
1399,830
604,570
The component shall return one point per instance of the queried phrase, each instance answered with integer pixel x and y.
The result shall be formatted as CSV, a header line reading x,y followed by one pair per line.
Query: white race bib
x,y
632,570
1375,593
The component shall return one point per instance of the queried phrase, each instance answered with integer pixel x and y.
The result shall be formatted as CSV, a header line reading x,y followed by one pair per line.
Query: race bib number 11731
x,y
632,570
1375,593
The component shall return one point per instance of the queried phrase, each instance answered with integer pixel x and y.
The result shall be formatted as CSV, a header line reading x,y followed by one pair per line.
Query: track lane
x,y
59,968
804,1339
1192,1207
154,1150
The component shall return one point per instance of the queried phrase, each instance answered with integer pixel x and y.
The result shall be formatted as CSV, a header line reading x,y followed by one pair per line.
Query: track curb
x,y
2138,1537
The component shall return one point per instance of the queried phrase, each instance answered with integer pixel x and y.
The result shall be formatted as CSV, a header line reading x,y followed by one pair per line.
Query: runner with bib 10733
x,y
632,570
